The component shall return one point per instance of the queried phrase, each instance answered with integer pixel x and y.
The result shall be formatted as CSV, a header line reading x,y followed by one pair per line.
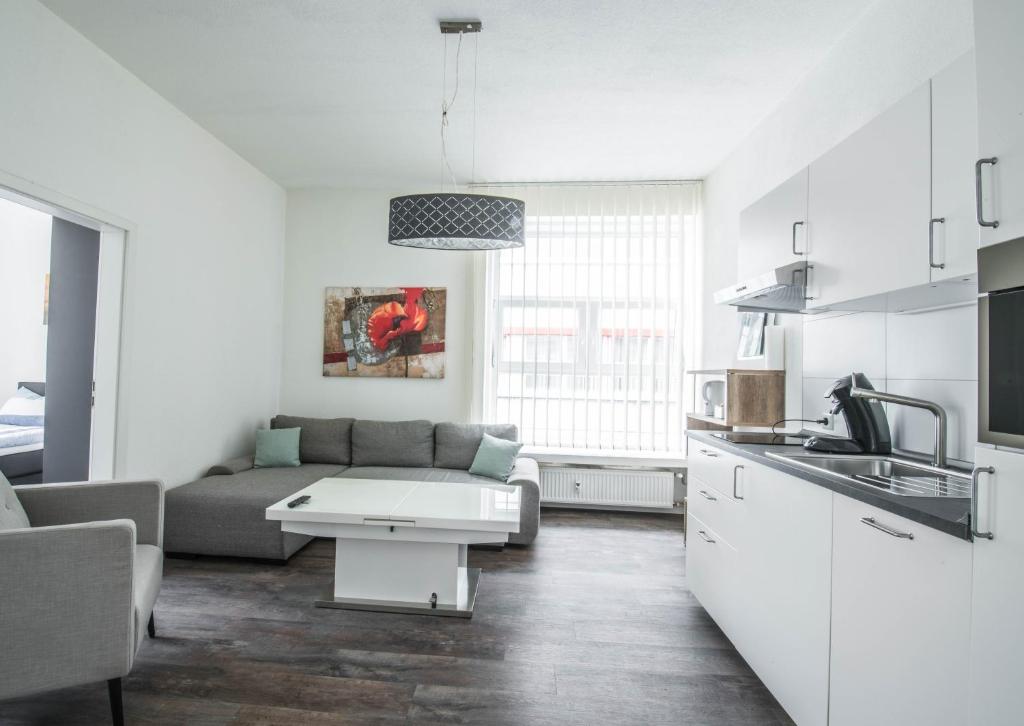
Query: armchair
x,y
78,586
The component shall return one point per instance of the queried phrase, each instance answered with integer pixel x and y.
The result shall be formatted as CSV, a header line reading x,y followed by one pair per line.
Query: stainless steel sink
x,y
897,476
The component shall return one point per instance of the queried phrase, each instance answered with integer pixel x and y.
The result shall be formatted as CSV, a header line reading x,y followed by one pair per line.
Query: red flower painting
x,y
391,332
394,319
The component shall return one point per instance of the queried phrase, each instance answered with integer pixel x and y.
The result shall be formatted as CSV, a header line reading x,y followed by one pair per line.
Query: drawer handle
x,y
975,476
704,536
707,496
735,472
870,521
712,454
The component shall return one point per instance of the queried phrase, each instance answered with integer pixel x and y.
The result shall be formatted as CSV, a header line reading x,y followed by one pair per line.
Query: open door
x,y
70,349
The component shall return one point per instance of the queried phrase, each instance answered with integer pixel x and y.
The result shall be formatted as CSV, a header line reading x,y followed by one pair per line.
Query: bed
x,y
21,446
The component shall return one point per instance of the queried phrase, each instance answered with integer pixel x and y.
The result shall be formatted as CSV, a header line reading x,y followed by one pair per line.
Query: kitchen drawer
x,y
715,509
713,466
712,573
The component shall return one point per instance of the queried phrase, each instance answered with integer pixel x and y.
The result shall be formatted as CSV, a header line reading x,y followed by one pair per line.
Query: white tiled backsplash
x,y
926,355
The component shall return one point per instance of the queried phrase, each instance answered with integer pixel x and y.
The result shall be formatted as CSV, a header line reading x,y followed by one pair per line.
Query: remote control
x,y
298,500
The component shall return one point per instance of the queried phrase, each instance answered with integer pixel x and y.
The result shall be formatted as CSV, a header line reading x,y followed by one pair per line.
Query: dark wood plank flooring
x,y
593,624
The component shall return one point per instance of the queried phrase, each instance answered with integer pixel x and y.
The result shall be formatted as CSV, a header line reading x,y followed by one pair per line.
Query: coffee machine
x,y
865,420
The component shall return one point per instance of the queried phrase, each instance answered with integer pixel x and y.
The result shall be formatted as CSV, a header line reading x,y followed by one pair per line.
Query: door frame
x,y
106,461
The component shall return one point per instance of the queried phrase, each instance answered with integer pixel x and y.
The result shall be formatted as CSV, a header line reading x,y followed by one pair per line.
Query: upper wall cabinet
x,y
999,47
772,229
869,207
954,230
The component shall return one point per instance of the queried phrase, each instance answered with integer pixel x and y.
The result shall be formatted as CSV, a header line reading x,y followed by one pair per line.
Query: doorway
x,y
60,308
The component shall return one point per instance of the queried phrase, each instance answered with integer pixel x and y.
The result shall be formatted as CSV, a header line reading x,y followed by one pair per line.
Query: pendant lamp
x,y
453,220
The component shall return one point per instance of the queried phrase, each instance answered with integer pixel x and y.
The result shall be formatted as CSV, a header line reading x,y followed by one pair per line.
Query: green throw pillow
x,y
277,447
495,458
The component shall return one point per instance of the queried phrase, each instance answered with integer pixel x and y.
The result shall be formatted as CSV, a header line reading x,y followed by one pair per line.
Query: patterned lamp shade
x,y
457,222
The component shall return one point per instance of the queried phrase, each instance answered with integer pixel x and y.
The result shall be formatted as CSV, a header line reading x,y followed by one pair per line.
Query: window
x,y
587,324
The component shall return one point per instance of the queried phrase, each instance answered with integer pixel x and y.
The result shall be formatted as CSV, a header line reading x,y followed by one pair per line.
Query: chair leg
x,y
116,704
152,625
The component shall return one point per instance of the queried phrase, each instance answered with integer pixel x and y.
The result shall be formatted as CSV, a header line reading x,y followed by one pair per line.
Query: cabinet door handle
x,y
795,252
735,472
712,454
870,521
704,536
975,476
707,496
931,242
991,161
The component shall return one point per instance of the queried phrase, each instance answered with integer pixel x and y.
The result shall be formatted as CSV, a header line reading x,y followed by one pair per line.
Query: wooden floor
x,y
593,624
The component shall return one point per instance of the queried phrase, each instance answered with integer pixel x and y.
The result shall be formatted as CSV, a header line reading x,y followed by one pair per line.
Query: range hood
x,y
781,290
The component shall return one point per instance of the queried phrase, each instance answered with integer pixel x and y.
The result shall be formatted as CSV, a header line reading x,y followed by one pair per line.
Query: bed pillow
x,y
277,447
495,458
19,411
27,393
12,515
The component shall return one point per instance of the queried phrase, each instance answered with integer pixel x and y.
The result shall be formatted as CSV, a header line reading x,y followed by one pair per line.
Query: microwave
x,y
1001,344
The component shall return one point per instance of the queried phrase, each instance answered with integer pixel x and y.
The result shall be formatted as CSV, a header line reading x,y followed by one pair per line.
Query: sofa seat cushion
x,y
225,515
392,443
456,444
323,440
149,572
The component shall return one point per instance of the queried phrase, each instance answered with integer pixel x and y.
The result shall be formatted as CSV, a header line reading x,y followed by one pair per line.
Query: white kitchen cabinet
x,y
999,51
869,206
954,150
899,609
997,625
772,229
758,560
784,572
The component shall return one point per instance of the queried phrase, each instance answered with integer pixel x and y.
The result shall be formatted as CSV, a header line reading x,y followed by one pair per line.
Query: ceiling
x,y
339,93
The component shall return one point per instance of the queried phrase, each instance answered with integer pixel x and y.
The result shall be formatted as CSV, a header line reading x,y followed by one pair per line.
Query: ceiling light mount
x,y
453,27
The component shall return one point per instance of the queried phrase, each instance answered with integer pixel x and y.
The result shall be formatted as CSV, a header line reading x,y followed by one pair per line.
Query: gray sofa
x,y
224,512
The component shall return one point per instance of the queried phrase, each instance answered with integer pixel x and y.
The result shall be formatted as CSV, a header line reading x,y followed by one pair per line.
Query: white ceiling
x,y
331,92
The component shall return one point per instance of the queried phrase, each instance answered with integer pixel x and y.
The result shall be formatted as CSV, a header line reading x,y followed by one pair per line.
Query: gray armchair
x,y
77,587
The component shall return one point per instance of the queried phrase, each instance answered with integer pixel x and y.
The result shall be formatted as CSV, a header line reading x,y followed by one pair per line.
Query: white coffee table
x,y
401,545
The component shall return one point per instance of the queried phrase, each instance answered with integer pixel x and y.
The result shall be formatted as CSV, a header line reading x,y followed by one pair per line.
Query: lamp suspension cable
x,y
446,106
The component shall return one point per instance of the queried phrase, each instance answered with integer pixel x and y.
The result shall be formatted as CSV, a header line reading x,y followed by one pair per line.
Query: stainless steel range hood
x,y
782,290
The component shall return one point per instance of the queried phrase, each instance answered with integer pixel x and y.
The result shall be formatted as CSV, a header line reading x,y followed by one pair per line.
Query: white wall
x,y
894,47
338,238
24,263
200,360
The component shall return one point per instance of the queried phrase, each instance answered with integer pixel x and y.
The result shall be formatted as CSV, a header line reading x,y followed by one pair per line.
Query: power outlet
x,y
830,421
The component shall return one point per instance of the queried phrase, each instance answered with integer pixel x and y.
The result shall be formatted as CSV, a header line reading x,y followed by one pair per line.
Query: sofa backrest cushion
x,y
392,443
12,515
455,444
323,440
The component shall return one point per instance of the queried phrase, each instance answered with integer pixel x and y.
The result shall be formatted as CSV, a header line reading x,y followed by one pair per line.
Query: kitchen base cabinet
x,y
900,607
997,624
784,570
758,560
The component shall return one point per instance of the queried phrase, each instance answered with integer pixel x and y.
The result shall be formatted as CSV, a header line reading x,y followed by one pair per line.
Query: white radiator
x,y
609,487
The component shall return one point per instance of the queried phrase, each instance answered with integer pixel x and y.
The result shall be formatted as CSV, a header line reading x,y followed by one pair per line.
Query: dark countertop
x,y
949,515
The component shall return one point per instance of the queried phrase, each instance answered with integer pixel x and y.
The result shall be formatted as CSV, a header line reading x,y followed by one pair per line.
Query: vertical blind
x,y
587,325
